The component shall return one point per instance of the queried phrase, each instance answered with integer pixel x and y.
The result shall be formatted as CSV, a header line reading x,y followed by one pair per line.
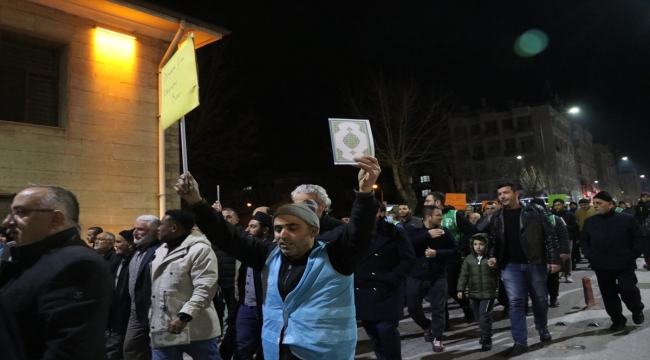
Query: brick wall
x,y
107,150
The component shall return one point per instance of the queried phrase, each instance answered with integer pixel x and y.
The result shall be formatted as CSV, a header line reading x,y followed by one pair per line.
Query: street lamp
x,y
574,110
595,181
375,187
642,176
519,157
624,158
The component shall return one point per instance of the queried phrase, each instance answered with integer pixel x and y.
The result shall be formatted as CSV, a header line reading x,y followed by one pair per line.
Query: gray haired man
x,y
319,195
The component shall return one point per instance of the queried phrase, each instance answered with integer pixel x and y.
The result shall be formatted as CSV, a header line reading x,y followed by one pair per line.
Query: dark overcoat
x,y
379,280
54,300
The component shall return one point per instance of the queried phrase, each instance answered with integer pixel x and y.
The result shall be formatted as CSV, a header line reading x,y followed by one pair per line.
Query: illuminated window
x,y
247,188
425,179
29,79
425,192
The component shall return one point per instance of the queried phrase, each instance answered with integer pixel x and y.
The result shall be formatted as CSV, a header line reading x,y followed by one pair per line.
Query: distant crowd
x,y
294,282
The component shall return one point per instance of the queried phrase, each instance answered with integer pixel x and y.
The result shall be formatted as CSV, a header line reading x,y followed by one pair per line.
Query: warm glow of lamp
x,y
249,204
115,33
114,48
375,186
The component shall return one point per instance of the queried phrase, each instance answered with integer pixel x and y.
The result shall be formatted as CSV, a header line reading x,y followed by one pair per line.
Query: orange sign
x,y
458,201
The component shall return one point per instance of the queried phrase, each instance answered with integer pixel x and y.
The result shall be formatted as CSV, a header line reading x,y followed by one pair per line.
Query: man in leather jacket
x,y
525,249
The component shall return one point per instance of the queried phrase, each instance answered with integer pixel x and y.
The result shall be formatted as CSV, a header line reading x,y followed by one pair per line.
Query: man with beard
x,y
462,229
525,248
407,218
249,316
434,246
104,243
118,319
611,242
184,281
55,292
319,195
145,237
308,295
489,207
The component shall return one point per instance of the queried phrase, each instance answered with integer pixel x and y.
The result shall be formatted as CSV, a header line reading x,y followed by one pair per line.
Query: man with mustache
x,y
308,298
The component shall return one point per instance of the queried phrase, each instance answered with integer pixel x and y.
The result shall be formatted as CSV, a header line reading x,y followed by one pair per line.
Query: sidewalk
x,y
575,340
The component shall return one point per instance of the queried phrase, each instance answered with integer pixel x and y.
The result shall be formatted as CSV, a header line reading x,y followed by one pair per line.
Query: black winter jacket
x,y
537,236
446,250
612,241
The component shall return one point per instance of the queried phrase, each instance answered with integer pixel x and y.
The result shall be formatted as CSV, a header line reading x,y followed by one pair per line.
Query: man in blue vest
x,y
308,294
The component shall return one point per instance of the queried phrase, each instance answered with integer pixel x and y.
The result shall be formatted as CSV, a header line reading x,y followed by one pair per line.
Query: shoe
x,y
517,349
568,279
437,346
638,318
553,302
617,326
560,276
544,335
427,336
486,344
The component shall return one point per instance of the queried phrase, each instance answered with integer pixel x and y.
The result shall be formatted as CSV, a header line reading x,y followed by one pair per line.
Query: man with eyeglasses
x,y
55,292
104,245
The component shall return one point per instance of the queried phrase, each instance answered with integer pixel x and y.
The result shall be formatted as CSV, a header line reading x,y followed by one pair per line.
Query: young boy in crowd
x,y
483,284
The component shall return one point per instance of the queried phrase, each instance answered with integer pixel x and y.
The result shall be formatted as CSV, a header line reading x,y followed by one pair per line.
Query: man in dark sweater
x,y
526,249
611,241
308,298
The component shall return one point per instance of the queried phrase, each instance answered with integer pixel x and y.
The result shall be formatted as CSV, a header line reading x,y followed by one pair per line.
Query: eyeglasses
x,y
102,239
15,213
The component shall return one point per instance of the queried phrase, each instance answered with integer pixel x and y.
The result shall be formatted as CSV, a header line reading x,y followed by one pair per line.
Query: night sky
x,y
292,58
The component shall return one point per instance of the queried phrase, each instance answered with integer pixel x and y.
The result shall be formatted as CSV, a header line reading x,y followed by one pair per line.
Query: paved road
x,y
575,340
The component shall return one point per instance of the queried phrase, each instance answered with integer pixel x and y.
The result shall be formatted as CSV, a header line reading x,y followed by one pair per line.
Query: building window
x,y
29,79
475,129
460,132
527,144
425,179
477,152
248,188
425,192
491,128
506,124
494,147
524,123
511,146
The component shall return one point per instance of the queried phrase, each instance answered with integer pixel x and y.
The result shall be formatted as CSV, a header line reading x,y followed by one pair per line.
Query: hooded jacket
x,y
483,281
185,280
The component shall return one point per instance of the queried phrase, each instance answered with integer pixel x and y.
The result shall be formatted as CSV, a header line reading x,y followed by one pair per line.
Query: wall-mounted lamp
x,y
115,33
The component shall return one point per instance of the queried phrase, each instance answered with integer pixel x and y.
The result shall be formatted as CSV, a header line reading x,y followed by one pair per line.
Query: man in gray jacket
x,y
184,281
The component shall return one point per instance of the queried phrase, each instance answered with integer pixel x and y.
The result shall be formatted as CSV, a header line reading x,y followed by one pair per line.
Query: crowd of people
x,y
294,283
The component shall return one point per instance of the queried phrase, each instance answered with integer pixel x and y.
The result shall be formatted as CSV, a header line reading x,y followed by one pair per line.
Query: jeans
x,y
519,280
198,350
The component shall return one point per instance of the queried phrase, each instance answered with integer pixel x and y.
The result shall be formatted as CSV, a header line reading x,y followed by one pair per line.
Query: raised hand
x,y
188,188
217,206
369,172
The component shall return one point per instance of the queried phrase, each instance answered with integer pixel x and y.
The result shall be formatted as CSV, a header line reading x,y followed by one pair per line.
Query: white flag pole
x,y
183,145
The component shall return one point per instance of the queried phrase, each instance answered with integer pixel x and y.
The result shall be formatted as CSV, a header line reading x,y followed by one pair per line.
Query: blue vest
x,y
318,316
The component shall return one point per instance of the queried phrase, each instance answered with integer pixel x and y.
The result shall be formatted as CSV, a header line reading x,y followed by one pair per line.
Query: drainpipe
x,y
161,133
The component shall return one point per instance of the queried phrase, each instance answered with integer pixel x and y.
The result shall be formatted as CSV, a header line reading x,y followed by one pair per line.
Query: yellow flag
x,y
180,84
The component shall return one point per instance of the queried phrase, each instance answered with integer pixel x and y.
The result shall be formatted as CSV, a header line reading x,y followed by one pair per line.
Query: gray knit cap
x,y
305,211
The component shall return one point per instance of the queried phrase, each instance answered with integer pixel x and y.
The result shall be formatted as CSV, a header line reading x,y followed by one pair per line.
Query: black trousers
x,y
483,313
615,282
228,347
436,290
553,284
385,338
453,273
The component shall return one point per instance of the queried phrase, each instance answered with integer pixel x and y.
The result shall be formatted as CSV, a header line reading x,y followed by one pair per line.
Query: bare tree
x,y
408,125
